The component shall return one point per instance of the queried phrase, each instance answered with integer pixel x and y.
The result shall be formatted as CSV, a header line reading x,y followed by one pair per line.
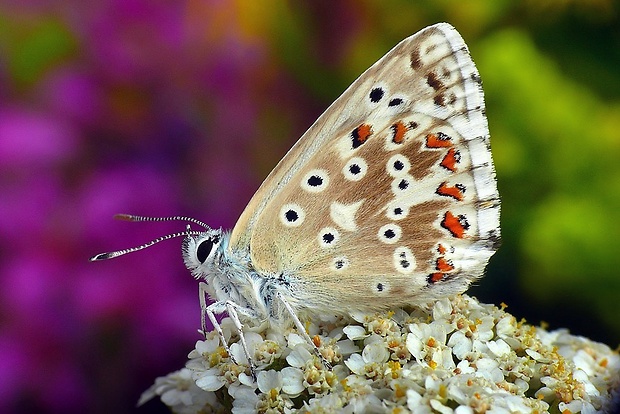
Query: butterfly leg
x,y
302,331
231,308
210,311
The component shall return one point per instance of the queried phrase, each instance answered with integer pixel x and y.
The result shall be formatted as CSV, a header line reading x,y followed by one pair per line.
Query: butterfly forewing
x,y
390,194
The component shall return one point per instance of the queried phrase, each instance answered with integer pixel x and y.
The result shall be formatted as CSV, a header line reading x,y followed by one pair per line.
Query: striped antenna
x,y
131,217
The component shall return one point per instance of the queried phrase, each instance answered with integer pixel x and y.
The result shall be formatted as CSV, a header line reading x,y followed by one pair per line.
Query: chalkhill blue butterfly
x,y
388,200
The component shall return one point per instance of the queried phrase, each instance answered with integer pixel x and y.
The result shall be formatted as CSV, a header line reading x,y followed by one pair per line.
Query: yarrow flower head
x,y
460,356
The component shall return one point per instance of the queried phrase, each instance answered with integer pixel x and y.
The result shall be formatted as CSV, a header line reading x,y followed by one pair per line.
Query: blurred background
x,y
182,107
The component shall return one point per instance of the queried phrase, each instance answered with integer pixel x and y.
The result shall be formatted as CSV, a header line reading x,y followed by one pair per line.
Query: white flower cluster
x,y
459,357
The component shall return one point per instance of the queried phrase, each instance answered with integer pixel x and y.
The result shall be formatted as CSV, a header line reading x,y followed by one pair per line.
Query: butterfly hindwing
x,y
390,194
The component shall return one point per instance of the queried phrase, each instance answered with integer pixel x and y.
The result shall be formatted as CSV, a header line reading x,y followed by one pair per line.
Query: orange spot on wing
x,y
454,191
444,265
456,225
442,249
398,130
361,134
435,277
450,160
438,140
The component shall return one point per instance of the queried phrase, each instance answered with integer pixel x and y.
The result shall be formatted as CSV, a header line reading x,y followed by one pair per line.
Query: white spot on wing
x,y
292,215
403,185
390,233
315,181
404,260
344,214
339,263
397,210
398,165
381,287
328,236
355,169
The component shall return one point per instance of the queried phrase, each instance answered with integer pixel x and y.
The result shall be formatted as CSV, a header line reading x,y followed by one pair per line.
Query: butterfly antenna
x,y
131,217
111,255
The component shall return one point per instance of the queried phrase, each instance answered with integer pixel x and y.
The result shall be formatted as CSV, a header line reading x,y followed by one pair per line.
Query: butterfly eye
x,y
204,249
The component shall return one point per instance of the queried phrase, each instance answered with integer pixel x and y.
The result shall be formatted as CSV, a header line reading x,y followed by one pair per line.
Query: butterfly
x,y
388,200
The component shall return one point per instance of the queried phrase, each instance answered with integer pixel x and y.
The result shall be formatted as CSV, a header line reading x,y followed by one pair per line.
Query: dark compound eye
x,y
204,249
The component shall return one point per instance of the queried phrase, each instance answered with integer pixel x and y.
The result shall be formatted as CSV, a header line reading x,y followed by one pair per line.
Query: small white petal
x,y
356,364
460,344
295,339
238,353
358,316
355,332
292,381
438,406
585,362
299,356
465,367
210,382
499,347
269,380
205,347
574,406
246,379
444,359
415,346
463,409
414,400
544,392
442,309
244,401
347,347
533,354
376,352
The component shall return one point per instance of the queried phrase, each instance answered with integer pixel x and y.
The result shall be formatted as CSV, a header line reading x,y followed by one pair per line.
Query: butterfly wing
x,y
390,194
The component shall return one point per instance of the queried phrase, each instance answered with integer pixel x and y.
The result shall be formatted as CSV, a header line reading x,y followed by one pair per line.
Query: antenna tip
x,y
101,256
124,217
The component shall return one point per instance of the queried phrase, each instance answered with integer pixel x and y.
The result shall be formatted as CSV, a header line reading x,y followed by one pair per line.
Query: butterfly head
x,y
202,251
201,248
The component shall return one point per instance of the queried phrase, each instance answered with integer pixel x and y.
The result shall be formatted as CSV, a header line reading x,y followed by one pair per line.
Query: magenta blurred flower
x,y
32,140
